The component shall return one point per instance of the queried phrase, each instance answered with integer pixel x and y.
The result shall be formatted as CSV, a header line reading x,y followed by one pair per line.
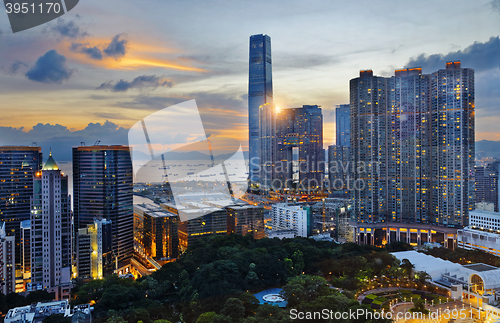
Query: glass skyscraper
x,y
18,166
260,91
103,188
343,125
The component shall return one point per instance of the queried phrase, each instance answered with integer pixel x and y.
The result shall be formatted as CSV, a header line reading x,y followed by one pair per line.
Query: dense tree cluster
x,y
214,279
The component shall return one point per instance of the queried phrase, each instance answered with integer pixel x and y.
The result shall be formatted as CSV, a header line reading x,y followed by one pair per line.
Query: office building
x,y
51,244
413,153
93,250
295,217
26,251
246,219
267,136
339,165
343,125
203,220
156,232
486,184
7,262
339,168
260,91
18,166
291,148
103,188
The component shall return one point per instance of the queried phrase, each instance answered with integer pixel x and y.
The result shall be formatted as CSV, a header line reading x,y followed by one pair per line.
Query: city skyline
x,y
119,76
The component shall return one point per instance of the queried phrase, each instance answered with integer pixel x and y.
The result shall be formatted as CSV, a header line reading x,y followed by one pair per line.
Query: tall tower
x,y
260,91
368,95
51,222
18,165
342,125
103,188
267,137
453,145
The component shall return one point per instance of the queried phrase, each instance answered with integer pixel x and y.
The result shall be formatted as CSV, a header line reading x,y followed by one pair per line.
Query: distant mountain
x,y
487,148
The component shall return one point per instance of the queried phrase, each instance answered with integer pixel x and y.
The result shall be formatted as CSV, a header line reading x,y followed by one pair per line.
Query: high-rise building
x,y
453,143
339,165
26,250
292,155
103,188
343,125
300,162
267,137
51,244
246,219
412,154
18,166
93,250
339,168
260,91
486,184
7,262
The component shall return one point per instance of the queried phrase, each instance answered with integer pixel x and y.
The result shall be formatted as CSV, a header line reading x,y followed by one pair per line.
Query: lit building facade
x,y
295,217
93,251
260,91
156,232
343,125
203,221
51,243
413,153
103,188
7,260
18,166
246,219
300,161
486,184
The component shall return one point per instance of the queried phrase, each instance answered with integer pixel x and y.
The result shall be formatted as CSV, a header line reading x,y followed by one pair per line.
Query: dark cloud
x,y
495,5
479,56
116,48
14,68
91,51
50,68
66,29
62,139
140,82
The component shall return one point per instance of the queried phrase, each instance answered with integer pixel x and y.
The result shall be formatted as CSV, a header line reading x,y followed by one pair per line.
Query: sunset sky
x,y
96,71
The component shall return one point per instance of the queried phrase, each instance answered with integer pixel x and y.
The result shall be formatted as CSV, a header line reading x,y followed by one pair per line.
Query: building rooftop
x,y
50,164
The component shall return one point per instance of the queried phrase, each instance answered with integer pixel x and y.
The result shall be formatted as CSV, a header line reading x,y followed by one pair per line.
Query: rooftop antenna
x,y
82,143
97,143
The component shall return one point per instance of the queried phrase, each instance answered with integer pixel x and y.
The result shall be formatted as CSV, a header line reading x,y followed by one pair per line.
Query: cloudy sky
x,y
94,72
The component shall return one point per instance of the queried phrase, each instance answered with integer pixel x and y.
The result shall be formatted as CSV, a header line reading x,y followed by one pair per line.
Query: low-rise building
x,y
246,219
36,312
292,216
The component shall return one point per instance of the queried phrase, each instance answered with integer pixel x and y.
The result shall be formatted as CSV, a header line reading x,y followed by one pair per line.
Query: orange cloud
x,y
138,56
